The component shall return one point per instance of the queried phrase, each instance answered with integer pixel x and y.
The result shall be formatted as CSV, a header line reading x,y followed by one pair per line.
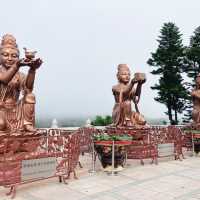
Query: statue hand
x,y
134,80
142,81
22,62
35,64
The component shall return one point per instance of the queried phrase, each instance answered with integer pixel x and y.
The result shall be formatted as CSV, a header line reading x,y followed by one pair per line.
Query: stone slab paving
x,y
168,180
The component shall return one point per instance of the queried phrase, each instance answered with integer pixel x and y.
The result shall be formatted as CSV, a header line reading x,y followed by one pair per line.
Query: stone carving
x,y
125,92
54,123
16,114
196,102
88,123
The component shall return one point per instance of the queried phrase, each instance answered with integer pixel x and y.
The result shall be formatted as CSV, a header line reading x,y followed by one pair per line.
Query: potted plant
x,y
103,146
195,134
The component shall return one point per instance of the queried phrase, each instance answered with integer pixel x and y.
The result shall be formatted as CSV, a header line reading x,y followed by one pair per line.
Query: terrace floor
x,y
168,180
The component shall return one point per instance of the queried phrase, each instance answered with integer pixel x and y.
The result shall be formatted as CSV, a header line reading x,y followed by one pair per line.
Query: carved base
x,y
128,127
135,131
193,126
19,142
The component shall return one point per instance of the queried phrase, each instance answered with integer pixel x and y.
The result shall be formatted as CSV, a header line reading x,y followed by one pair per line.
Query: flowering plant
x,y
105,137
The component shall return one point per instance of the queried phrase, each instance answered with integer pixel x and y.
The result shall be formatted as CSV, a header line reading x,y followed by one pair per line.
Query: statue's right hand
x,y
22,62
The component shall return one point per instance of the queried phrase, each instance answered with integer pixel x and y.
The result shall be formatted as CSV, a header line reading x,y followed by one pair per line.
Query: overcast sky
x,y
81,43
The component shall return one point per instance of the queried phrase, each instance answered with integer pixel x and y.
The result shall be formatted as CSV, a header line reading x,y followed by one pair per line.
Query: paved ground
x,y
168,180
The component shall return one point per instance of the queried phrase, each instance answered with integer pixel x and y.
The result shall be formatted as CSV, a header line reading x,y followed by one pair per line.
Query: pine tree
x,y
167,61
192,67
192,56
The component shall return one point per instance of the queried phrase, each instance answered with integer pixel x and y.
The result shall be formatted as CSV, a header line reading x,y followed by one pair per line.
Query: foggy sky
x,y
81,43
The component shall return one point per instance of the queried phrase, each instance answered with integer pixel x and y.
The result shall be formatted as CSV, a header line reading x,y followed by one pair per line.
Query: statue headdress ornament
x,y
8,41
122,67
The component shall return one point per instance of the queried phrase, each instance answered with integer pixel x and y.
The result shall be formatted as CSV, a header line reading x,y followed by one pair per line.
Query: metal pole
x,y
192,145
113,157
92,171
126,156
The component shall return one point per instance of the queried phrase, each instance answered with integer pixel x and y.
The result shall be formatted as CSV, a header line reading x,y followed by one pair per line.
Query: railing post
x,y
92,171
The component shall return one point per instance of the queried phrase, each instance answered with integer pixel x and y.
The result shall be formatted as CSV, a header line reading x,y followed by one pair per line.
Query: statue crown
x,y
122,67
9,40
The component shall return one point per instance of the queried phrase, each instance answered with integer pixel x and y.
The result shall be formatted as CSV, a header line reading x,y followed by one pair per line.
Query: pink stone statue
x,y
16,114
125,92
196,102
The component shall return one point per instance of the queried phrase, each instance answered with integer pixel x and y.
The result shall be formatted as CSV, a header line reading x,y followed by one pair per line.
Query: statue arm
x,y
137,93
129,89
117,91
34,64
6,76
30,79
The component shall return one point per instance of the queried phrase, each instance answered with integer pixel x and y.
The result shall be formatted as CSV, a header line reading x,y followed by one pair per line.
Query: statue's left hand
x,y
35,64
142,81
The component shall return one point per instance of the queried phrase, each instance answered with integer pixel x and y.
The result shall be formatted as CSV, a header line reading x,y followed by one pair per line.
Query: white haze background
x,y
82,42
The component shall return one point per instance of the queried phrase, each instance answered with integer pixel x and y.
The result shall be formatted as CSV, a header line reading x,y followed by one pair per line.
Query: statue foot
x,y
128,122
29,128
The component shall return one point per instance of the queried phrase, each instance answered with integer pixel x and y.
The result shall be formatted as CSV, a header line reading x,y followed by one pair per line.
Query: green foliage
x,y
105,137
191,66
164,122
102,121
188,109
167,62
192,55
192,131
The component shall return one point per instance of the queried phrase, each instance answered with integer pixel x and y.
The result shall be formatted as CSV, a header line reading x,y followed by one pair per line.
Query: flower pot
x,y
197,147
104,152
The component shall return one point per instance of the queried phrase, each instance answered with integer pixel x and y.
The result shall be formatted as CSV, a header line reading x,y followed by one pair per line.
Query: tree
x,y
192,56
167,62
108,120
102,121
192,67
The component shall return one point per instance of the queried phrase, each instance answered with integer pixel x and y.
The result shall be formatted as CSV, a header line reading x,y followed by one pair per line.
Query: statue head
x,y
9,52
123,73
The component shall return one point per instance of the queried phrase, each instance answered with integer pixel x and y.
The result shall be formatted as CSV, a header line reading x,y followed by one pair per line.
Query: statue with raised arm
x,y
16,114
196,102
126,92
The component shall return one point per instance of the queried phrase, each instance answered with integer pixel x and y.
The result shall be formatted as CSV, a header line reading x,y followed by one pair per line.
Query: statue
x,y
127,124
54,123
196,102
124,93
88,123
16,114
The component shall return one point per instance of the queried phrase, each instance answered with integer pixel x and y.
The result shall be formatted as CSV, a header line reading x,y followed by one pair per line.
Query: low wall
x,y
55,152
